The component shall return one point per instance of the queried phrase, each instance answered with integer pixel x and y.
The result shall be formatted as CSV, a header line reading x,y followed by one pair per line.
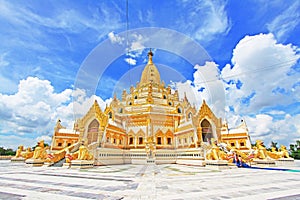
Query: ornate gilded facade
x,y
148,116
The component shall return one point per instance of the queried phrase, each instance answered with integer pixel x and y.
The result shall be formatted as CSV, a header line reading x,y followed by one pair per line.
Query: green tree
x,y
274,144
295,150
7,152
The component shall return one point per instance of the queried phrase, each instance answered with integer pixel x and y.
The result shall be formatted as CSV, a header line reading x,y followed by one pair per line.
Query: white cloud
x,y
33,111
130,61
204,86
217,21
261,68
286,22
260,79
47,139
206,19
13,141
136,42
266,128
115,38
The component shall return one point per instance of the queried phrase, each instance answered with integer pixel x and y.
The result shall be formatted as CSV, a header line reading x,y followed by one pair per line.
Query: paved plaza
x,y
146,182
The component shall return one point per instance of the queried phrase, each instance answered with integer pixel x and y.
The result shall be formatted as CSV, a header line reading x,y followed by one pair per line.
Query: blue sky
x,y
241,56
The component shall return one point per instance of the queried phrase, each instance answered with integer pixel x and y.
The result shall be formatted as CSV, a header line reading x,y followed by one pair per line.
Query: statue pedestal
x,y
262,163
66,165
285,162
82,164
47,164
217,164
34,162
18,160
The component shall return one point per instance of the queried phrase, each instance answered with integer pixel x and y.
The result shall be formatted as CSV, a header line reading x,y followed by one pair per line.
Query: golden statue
x,y
82,154
71,156
28,153
261,151
273,153
216,153
284,152
19,152
40,151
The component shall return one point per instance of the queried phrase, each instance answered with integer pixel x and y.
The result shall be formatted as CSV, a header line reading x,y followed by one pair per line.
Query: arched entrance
x,y
92,132
207,133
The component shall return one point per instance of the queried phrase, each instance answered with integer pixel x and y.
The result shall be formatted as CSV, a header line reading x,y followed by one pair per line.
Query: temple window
x,y
170,103
158,140
190,115
115,141
130,103
140,140
169,140
164,96
135,97
107,139
242,144
110,115
69,144
192,139
120,142
121,110
232,144
185,140
131,140
59,144
179,110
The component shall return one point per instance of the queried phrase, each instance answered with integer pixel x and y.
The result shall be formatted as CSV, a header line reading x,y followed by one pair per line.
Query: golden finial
x,y
150,55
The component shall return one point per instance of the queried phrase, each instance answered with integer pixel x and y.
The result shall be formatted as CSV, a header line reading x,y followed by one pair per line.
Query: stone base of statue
x,y
47,164
217,164
82,164
264,163
17,160
34,162
285,162
66,165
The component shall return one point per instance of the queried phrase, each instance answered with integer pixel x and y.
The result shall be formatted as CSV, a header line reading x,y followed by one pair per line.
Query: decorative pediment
x,y
205,112
95,112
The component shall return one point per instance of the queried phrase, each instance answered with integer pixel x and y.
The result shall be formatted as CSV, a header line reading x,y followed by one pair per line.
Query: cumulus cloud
x,y
260,75
31,113
259,81
204,86
267,128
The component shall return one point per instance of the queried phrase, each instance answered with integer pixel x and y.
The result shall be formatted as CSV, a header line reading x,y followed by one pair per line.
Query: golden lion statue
x,y
82,154
284,152
261,151
215,153
40,151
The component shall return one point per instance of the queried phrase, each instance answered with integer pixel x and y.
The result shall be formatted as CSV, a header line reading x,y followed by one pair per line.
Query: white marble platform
x,y
169,181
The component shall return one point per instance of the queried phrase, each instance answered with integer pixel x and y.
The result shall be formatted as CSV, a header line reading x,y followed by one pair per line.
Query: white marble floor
x,y
146,182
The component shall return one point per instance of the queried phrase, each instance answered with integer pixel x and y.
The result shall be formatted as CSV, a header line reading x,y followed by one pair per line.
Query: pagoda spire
x,y
150,72
150,55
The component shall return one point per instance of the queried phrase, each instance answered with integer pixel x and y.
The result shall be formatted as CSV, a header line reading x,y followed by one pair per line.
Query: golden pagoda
x,y
148,124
